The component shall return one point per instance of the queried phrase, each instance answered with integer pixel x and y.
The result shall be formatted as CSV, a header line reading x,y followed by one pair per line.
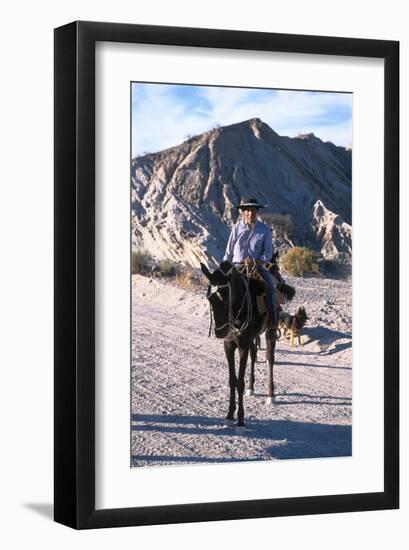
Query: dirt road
x,y
180,381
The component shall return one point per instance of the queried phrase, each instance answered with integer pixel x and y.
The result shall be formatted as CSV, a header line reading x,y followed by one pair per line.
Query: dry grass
x,y
190,280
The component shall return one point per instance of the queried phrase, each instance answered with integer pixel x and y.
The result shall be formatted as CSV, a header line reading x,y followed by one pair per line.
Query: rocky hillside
x,y
183,198
333,234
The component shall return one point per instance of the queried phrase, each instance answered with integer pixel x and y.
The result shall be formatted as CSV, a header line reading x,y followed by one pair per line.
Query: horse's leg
x,y
229,349
253,357
243,352
271,344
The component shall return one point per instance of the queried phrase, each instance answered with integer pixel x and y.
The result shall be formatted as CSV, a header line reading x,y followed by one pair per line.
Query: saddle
x,y
283,292
263,292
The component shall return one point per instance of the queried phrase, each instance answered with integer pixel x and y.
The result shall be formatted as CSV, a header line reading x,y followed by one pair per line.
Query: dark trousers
x,y
271,293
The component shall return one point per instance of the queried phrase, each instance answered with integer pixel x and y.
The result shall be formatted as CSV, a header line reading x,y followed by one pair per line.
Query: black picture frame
x,y
74,335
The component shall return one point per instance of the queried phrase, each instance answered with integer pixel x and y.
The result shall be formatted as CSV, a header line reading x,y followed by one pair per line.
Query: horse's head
x,y
218,296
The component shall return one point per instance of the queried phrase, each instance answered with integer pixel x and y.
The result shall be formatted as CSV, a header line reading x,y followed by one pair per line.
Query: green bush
x,y
167,267
299,260
140,259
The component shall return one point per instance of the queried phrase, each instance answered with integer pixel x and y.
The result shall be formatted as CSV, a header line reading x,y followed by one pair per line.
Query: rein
x,y
216,291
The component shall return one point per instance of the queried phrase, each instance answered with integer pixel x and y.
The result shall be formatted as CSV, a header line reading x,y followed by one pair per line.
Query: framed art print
x,y
226,274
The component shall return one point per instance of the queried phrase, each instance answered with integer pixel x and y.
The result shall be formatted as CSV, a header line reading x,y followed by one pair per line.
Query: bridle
x,y
231,323
215,290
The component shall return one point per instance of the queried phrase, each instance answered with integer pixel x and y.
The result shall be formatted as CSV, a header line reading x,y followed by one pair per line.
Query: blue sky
x,y
164,115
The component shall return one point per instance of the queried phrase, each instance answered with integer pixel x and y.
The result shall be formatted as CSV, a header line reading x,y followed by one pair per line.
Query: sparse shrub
x,y
184,279
189,278
299,260
167,267
140,260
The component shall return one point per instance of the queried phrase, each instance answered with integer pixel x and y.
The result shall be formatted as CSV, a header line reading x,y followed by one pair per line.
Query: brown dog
x,y
293,324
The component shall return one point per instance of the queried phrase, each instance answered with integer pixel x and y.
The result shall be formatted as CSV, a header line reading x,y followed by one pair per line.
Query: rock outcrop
x,y
333,234
183,198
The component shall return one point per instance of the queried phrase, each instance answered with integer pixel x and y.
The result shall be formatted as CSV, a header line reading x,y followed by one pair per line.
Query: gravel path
x,y
180,381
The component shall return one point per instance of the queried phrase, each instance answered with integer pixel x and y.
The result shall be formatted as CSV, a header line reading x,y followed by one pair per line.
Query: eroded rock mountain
x,y
183,198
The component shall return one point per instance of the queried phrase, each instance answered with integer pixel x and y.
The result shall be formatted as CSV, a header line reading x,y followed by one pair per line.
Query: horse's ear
x,y
205,271
226,267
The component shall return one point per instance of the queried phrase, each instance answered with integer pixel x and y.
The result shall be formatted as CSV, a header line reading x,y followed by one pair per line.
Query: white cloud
x,y
161,119
160,122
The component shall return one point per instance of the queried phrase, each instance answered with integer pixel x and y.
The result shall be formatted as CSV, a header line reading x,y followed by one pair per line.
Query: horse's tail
x,y
286,290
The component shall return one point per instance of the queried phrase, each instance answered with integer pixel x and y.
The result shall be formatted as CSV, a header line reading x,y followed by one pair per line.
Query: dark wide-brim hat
x,y
249,203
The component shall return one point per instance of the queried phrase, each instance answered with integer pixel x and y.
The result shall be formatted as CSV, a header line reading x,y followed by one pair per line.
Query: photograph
x,y
241,283
198,351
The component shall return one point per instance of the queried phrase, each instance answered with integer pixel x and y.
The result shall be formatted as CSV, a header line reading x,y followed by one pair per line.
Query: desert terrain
x,y
179,388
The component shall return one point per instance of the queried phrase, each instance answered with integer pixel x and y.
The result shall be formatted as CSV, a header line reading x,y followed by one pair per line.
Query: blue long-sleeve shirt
x,y
246,242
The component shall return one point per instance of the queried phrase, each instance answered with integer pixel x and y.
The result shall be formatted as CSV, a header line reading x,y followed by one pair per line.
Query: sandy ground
x,y
180,381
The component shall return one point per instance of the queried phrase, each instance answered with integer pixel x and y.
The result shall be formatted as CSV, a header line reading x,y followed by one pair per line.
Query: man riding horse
x,y
250,243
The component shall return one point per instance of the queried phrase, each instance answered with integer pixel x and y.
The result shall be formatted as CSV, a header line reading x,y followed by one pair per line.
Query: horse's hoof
x,y
269,400
249,392
228,422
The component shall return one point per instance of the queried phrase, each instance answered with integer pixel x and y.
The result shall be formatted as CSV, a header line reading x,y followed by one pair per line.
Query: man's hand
x,y
250,262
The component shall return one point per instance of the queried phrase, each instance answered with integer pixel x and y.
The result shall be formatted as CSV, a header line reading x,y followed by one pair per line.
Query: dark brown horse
x,y
284,293
233,301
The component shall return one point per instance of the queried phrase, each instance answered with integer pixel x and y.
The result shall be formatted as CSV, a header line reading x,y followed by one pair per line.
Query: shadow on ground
x,y
326,338
280,439
43,509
